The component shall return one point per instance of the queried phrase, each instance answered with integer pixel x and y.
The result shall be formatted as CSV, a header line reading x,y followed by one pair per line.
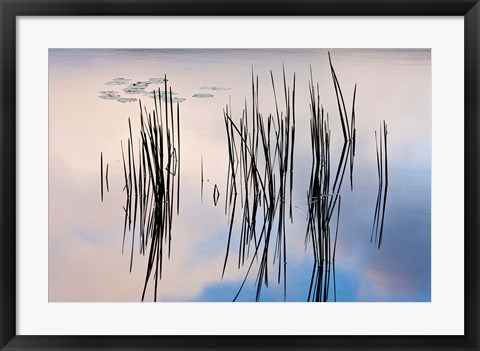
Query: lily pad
x,y
134,90
152,95
156,80
126,100
118,81
214,88
202,95
108,95
139,85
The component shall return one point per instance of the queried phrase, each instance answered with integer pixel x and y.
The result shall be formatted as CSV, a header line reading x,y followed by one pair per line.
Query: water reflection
x,y
260,167
323,199
200,233
382,166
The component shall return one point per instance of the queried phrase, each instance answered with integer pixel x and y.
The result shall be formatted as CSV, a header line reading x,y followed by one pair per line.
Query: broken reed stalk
x,y
216,194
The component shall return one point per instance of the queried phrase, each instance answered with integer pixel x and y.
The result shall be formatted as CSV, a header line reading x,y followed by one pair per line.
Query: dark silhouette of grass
x,y
106,178
323,198
382,168
201,179
178,157
293,145
260,170
320,198
266,148
150,185
127,188
259,151
101,176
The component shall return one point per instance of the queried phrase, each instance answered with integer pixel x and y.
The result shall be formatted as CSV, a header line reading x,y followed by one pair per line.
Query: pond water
x,y
93,93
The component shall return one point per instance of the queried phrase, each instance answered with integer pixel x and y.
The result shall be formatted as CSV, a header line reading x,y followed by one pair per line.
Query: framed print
x,y
239,175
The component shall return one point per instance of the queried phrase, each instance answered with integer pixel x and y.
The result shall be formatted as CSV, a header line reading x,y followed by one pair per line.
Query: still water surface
x,y
85,234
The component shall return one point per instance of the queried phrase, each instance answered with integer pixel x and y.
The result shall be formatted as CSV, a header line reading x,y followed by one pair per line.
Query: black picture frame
x,y
9,10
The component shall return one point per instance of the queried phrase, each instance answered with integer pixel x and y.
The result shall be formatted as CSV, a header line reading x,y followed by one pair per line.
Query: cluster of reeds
x,y
260,152
382,167
323,198
348,128
150,181
260,175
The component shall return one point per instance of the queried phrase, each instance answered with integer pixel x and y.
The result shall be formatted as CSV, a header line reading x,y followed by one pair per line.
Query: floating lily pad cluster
x,y
144,88
136,88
